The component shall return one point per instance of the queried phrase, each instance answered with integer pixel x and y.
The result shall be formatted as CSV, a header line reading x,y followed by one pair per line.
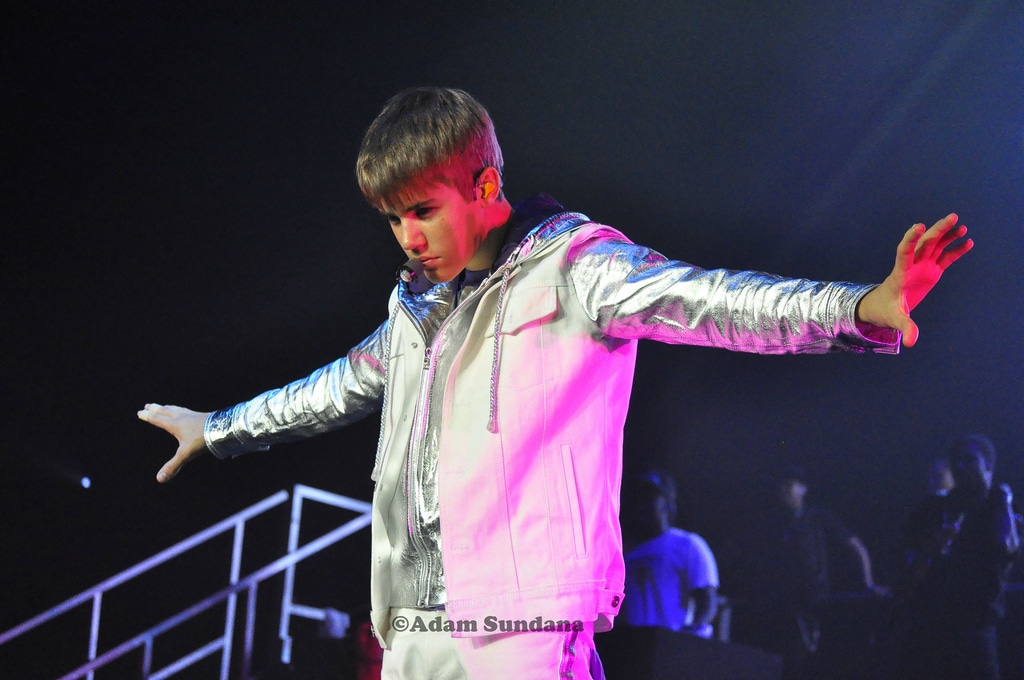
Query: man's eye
x,y
424,213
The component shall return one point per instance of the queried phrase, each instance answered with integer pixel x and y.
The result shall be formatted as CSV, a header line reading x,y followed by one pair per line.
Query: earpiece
x,y
486,189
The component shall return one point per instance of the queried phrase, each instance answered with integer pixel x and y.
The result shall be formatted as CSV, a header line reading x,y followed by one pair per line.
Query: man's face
x,y
972,476
436,225
940,477
791,494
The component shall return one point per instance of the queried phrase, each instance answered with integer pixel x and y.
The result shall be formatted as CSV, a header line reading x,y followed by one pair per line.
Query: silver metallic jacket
x,y
501,431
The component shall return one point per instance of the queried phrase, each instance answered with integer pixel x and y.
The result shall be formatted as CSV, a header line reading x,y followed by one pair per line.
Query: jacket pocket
x,y
527,307
528,351
573,499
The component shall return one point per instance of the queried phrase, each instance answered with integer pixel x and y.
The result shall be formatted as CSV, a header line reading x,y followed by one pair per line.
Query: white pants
x,y
419,646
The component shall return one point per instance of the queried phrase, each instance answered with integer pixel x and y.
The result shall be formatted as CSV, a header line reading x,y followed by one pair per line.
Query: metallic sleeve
x,y
633,292
333,396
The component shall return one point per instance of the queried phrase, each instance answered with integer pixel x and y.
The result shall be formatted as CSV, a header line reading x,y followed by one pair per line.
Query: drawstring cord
x,y
492,419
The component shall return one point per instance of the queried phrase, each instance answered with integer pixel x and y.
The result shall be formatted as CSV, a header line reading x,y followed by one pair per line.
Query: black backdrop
x,y
181,224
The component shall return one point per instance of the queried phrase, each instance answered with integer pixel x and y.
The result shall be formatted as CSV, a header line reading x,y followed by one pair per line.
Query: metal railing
x,y
228,595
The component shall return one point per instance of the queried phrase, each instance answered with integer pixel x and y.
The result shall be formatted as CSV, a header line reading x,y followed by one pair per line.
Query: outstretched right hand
x,y
186,426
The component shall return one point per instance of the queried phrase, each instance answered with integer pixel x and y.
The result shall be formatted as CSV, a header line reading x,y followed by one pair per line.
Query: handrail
x,y
249,582
229,593
146,565
288,607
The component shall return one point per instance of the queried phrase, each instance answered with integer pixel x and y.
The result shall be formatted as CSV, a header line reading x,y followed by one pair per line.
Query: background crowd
x,y
802,585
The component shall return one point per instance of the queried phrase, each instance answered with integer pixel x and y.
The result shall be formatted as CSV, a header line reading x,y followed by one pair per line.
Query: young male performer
x,y
503,372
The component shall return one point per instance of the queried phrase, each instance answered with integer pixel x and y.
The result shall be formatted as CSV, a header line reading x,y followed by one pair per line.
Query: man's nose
x,y
410,238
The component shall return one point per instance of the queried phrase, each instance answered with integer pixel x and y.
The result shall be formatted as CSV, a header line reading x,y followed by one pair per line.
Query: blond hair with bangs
x,y
426,135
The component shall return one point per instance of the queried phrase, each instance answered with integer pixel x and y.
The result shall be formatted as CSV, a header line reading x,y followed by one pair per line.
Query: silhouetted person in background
x,y
958,551
940,476
671,574
788,560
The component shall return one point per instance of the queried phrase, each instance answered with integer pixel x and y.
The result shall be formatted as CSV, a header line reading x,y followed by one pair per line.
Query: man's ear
x,y
488,185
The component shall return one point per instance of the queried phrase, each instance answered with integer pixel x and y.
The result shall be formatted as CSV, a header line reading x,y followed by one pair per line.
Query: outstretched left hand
x,y
921,258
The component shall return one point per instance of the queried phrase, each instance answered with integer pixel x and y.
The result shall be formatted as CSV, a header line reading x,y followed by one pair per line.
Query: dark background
x,y
181,224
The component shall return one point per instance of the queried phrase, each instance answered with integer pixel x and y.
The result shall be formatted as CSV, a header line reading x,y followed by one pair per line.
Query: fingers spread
x,y
950,256
939,237
148,411
907,248
952,235
946,250
944,225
